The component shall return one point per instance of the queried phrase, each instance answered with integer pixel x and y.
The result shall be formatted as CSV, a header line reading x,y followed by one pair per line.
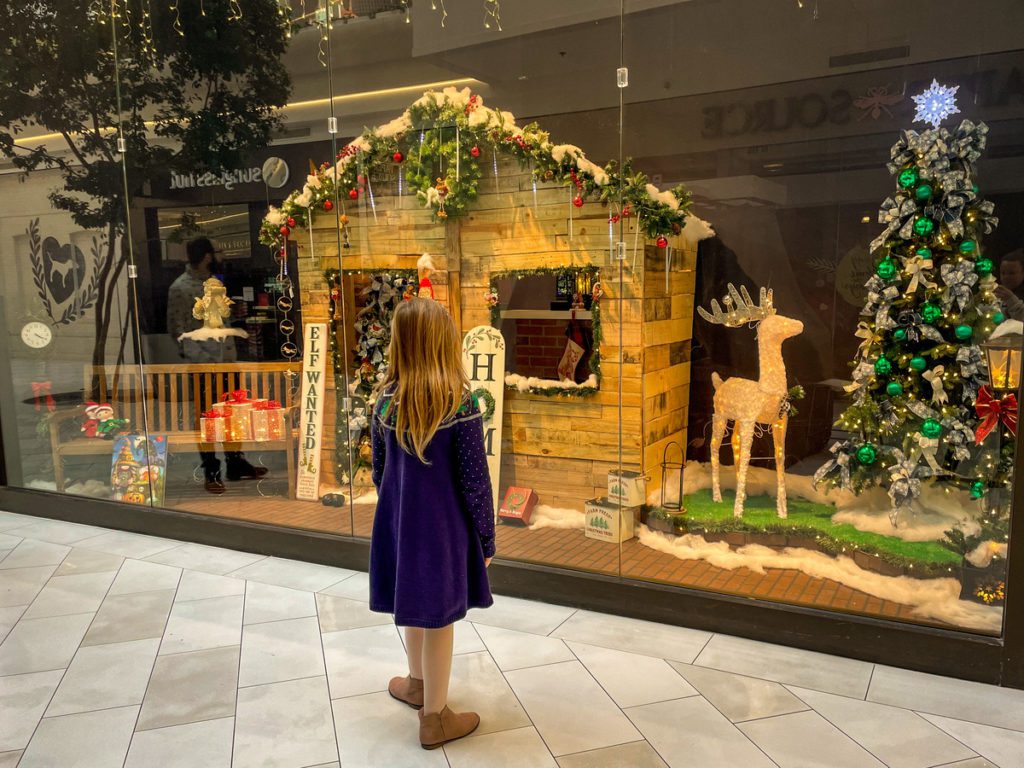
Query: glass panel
x,y
783,140
69,358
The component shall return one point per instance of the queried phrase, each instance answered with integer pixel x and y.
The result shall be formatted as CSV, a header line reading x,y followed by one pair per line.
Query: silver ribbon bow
x,y
934,377
926,448
959,278
903,486
898,216
879,297
840,462
861,375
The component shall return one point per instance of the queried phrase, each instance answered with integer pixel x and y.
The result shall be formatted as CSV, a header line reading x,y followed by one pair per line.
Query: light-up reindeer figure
x,y
748,403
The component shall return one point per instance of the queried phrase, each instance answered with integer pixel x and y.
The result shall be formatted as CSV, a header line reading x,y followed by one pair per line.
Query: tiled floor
x,y
125,650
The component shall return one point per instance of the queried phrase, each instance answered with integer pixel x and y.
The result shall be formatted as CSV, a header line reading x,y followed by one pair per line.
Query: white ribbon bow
x,y
934,377
926,448
916,268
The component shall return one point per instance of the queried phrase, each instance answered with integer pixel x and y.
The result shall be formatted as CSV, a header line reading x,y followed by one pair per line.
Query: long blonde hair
x,y
425,374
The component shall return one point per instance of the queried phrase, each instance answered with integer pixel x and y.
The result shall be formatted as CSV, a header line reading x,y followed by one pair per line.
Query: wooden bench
x,y
163,400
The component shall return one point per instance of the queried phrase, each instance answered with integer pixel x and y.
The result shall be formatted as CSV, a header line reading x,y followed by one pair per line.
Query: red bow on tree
x,y
991,411
43,391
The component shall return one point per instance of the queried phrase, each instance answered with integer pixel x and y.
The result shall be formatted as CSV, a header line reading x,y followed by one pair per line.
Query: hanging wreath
x,y
482,395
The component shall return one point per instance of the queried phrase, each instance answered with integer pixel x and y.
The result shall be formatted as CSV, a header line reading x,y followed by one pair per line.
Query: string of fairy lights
x,y
135,18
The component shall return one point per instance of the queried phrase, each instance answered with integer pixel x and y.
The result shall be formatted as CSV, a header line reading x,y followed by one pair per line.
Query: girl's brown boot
x,y
408,690
439,728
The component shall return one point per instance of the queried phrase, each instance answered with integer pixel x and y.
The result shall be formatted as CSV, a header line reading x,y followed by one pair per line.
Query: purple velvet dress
x,y
434,523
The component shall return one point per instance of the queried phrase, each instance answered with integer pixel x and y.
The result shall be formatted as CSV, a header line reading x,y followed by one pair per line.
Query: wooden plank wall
x,y
561,447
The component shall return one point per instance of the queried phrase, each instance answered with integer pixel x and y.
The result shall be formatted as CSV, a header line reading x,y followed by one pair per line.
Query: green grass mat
x,y
811,520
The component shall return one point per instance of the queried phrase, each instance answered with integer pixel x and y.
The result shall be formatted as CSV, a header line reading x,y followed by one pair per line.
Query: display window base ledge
x,y
927,649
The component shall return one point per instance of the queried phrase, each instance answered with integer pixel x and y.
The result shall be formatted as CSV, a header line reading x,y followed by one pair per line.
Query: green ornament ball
x,y
998,317
893,389
924,253
977,489
883,367
908,177
918,363
974,188
899,334
931,428
867,454
923,192
964,332
923,226
968,246
984,267
931,312
886,269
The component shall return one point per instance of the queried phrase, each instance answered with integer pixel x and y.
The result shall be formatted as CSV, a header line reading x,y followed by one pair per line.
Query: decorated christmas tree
x,y
921,410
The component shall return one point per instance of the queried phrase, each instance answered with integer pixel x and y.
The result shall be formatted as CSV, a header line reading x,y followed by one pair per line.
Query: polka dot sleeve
x,y
379,445
473,477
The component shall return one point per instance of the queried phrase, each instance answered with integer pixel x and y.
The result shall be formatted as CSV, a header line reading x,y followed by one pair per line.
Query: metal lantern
x,y
1003,354
668,465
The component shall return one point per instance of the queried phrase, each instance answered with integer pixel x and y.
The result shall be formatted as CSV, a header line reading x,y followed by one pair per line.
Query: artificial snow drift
x,y
936,599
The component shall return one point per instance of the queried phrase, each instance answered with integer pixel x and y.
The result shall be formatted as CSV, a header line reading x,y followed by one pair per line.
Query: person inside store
x,y
181,298
433,531
1010,290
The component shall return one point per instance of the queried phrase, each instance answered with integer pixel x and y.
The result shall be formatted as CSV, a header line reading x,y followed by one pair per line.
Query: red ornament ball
x,y
626,212
398,157
328,205
577,201
353,194
361,178
291,222
614,218
285,231
475,151
662,241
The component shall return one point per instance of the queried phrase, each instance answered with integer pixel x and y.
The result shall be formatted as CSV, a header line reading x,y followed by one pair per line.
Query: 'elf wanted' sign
x,y
311,400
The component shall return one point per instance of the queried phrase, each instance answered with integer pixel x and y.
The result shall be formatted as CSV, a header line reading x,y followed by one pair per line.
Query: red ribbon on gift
x,y
267,405
213,415
238,396
42,391
991,411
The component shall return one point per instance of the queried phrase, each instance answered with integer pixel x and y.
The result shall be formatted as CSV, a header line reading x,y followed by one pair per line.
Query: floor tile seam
x,y
199,650
562,622
920,712
71,661
152,667
332,586
278,621
262,559
238,669
327,677
771,680
179,725
871,679
522,706
725,717
72,613
605,690
839,728
614,648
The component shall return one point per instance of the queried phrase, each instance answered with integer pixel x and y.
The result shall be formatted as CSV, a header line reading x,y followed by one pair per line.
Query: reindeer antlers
x,y
739,308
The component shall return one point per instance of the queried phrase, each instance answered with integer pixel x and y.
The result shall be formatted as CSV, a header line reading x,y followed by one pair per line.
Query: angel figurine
x,y
214,305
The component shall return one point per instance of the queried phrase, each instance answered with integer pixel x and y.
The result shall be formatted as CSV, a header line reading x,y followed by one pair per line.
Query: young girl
x,y
433,534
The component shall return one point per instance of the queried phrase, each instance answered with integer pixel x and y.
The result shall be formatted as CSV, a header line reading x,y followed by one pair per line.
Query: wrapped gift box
x,y
628,487
268,420
607,521
517,506
213,427
239,418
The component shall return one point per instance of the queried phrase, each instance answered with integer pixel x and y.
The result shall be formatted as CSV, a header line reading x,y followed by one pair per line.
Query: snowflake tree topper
x,y
936,104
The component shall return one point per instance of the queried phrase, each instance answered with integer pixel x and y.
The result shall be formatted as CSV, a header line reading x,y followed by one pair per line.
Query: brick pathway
x,y
570,549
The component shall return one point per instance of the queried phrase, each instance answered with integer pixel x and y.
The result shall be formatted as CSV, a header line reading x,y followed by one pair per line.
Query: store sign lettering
x,y
990,88
314,374
770,115
483,358
226,179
